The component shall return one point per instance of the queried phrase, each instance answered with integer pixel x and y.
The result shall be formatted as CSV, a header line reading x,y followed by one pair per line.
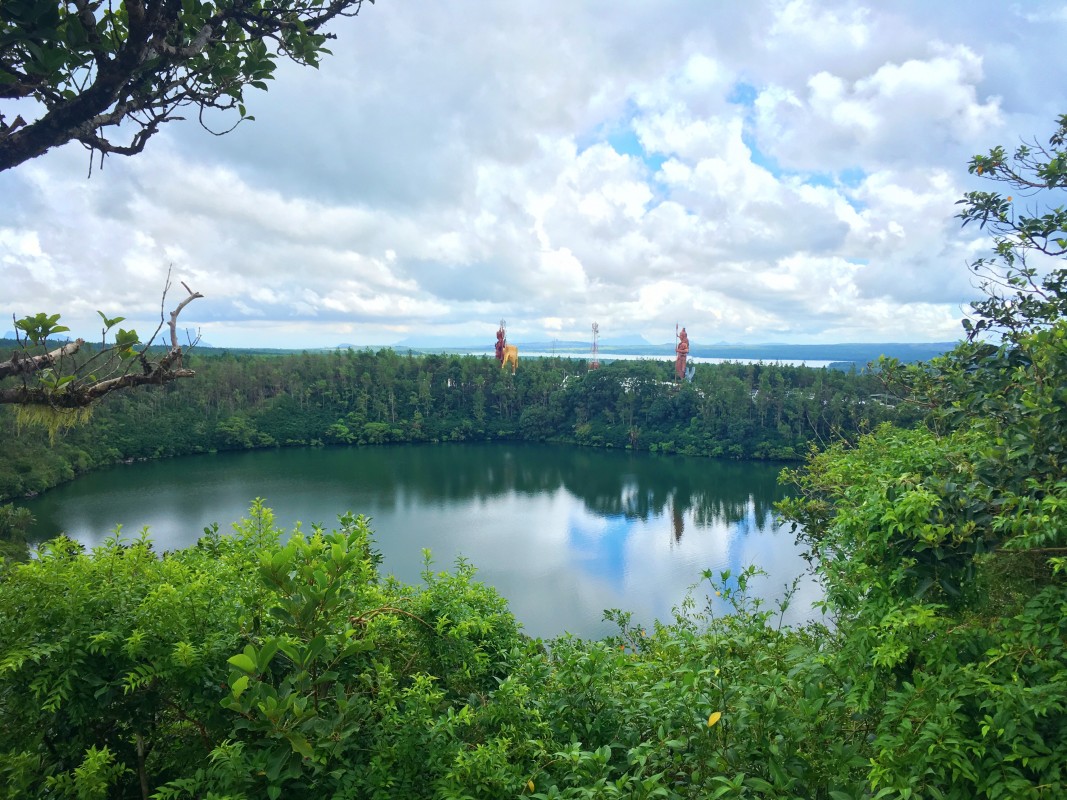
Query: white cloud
x,y
786,169
907,113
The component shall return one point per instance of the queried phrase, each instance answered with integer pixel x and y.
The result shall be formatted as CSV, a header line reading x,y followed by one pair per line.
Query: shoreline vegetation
x,y
242,400
937,536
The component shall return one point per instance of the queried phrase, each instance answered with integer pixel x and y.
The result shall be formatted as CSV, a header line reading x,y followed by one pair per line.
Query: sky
x,y
767,171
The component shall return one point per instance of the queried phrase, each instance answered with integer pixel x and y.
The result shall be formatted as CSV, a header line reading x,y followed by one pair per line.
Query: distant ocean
x,y
792,362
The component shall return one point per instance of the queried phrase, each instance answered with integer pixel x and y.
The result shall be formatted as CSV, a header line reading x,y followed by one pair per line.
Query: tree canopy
x,y
1024,286
77,70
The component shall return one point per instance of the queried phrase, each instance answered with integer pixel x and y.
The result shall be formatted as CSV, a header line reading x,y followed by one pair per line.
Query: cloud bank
x,y
786,171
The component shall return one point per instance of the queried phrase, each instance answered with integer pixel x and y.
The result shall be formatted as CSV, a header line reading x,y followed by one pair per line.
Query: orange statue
x,y
506,352
682,352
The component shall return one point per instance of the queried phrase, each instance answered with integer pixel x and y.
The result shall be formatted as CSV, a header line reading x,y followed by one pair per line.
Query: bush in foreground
x,y
260,665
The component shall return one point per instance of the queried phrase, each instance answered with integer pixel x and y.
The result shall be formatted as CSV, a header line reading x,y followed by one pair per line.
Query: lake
x,y
562,532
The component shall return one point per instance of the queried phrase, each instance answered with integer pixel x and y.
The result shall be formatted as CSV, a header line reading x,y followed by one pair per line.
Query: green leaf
x,y
243,662
266,654
109,323
238,686
300,744
40,326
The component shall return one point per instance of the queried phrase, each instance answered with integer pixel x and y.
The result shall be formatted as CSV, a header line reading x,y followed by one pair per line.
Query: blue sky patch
x,y
626,143
743,94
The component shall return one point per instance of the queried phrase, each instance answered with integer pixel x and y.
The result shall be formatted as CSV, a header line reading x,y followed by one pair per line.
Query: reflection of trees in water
x,y
454,473
718,493
609,484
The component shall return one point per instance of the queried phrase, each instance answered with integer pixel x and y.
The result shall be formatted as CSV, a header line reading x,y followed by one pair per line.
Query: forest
x,y
246,400
271,663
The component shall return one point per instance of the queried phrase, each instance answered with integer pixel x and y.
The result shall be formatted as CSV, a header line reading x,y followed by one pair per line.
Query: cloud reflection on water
x,y
562,532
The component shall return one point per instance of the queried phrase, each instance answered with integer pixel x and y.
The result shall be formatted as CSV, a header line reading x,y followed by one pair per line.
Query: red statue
x,y
682,351
500,345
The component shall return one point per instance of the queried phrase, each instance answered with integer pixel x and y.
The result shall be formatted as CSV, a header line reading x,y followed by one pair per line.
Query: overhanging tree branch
x,y
92,66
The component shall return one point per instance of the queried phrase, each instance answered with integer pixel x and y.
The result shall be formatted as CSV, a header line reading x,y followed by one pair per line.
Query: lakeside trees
x,y
242,401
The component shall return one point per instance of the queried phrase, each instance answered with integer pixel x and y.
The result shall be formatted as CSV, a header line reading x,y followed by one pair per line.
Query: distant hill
x,y
185,335
858,353
442,343
456,343
624,341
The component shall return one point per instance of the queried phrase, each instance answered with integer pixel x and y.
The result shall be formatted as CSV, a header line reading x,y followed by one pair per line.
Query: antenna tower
x,y
596,347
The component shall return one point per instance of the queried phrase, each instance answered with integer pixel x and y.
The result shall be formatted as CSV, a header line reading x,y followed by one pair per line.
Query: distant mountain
x,y
857,352
446,345
185,336
57,340
620,341
548,345
480,343
423,342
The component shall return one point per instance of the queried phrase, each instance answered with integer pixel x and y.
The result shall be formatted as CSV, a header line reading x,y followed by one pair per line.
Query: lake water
x,y
562,532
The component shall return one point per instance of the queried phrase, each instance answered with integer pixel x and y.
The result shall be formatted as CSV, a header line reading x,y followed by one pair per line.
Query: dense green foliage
x,y
15,524
943,549
141,666
255,666
242,401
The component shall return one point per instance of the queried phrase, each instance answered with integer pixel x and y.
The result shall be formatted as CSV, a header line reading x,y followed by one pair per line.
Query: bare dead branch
x,y
20,364
79,393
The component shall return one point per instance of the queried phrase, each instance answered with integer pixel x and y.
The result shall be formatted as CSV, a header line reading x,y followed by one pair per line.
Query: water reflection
x,y
562,532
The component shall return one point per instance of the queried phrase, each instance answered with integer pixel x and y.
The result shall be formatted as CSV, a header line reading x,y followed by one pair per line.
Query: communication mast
x,y
595,364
